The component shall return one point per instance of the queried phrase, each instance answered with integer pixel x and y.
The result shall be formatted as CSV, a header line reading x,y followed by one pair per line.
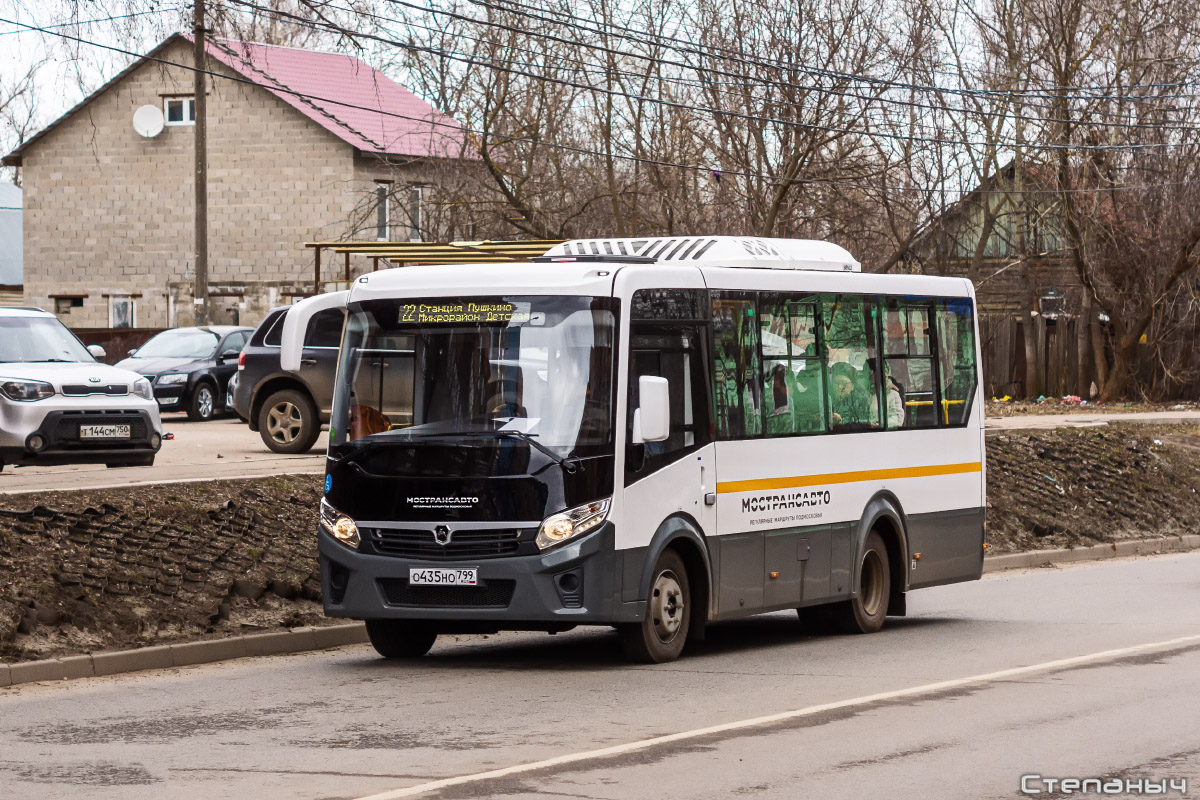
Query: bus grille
x,y
489,594
420,544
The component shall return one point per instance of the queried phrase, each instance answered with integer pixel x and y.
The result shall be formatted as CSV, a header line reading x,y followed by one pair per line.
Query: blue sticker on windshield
x,y
328,483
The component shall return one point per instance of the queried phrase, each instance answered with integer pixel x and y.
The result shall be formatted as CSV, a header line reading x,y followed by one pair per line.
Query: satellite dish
x,y
148,121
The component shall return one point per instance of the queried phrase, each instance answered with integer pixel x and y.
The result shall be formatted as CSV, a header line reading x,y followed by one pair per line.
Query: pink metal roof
x,y
371,112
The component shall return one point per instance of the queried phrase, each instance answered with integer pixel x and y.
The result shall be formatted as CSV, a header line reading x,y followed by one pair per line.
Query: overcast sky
x,y
70,70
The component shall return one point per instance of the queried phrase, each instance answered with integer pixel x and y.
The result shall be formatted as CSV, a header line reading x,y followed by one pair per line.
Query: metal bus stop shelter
x,y
396,254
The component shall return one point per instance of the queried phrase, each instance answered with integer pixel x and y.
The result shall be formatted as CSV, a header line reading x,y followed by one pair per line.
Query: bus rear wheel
x,y
660,637
866,611
397,638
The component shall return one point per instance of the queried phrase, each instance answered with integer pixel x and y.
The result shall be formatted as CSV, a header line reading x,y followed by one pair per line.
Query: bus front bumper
x,y
576,584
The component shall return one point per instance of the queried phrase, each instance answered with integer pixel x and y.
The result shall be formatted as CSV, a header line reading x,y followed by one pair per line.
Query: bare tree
x,y
1128,190
19,106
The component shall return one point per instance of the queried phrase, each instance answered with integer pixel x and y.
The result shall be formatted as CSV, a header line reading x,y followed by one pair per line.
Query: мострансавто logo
x,y
784,501
447,501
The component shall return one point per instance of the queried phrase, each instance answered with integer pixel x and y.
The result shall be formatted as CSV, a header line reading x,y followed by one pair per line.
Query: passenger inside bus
x,y
794,404
853,406
893,393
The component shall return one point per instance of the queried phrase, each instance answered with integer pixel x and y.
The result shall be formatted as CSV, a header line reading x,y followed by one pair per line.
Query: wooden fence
x,y
1056,351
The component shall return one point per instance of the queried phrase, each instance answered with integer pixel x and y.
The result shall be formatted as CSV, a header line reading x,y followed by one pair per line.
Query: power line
x,y
512,5
687,106
101,19
745,80
716,172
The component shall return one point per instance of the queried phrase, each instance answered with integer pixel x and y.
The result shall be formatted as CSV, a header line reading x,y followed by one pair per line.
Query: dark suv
x,y
287,409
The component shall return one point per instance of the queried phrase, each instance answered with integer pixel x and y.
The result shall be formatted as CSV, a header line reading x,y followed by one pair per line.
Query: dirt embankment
x,y
1080,486
111,569
117,568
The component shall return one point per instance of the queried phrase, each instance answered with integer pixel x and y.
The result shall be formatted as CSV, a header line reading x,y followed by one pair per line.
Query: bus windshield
x,y
470,369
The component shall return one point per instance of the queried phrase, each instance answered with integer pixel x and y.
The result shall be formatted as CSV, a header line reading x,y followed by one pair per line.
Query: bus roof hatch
x,y
715,251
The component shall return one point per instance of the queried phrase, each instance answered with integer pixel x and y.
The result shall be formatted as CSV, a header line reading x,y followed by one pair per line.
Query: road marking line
x,y
629,747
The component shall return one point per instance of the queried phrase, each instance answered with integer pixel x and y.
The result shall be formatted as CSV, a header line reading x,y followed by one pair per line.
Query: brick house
x,y
108,226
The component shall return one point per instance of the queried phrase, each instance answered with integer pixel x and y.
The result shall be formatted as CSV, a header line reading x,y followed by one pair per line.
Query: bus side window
x,y
849,326
908,364
793,391
956,351
737,390
666,341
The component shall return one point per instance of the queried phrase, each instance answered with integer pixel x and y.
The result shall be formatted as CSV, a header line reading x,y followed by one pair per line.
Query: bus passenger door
x,y
675,477
677,474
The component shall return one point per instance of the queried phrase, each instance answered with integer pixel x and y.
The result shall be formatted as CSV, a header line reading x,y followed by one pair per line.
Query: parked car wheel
x,y
204,403
288,422
145,462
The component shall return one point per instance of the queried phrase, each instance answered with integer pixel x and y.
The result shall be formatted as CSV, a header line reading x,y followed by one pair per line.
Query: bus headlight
x,y
570,524
339,526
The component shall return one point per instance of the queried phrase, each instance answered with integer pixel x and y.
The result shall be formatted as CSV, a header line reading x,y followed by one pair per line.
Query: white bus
x,y
651,434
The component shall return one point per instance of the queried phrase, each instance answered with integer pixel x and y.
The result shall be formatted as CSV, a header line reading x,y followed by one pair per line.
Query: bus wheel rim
x,y
667,606
871,592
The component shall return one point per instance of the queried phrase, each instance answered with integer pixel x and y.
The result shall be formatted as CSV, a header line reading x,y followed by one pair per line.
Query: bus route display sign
x,y
468,312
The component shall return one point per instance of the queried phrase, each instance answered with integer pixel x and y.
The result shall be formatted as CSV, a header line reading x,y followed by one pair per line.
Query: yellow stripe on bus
x,y
768,484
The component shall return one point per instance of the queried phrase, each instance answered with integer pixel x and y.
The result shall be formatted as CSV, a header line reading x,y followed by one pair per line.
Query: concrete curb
x,y
1133,547
184,654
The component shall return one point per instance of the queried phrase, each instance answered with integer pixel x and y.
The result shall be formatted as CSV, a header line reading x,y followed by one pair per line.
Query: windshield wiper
x,y
50,361
569,464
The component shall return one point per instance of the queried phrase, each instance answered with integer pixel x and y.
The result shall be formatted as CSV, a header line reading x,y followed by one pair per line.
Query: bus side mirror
x,y
652,420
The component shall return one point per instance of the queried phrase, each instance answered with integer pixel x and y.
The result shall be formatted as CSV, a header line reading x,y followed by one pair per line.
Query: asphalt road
x,y
220,448
888,715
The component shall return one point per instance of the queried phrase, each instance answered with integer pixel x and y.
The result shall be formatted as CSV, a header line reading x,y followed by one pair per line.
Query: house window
x,y
122,311
179,110
64,303
382,220
415,221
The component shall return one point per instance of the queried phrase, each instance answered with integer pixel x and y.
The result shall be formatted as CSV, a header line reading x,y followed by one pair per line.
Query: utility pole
x,y
200,291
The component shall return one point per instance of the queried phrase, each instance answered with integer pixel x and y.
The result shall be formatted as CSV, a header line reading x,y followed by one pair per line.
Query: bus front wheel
x,y
396,638
660,637
866,611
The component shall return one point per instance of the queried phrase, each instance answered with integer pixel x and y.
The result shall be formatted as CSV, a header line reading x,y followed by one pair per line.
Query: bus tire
x,y
660,637
866,611
397,638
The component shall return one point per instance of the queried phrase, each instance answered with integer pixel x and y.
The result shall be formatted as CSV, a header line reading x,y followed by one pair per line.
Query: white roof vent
x,y
714,251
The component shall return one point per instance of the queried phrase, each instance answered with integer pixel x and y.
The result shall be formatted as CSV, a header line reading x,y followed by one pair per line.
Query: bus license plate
x,y
103,431
444,577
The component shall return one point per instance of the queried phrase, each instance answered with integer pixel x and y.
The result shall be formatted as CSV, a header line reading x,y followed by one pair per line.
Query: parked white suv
x,y
58,405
